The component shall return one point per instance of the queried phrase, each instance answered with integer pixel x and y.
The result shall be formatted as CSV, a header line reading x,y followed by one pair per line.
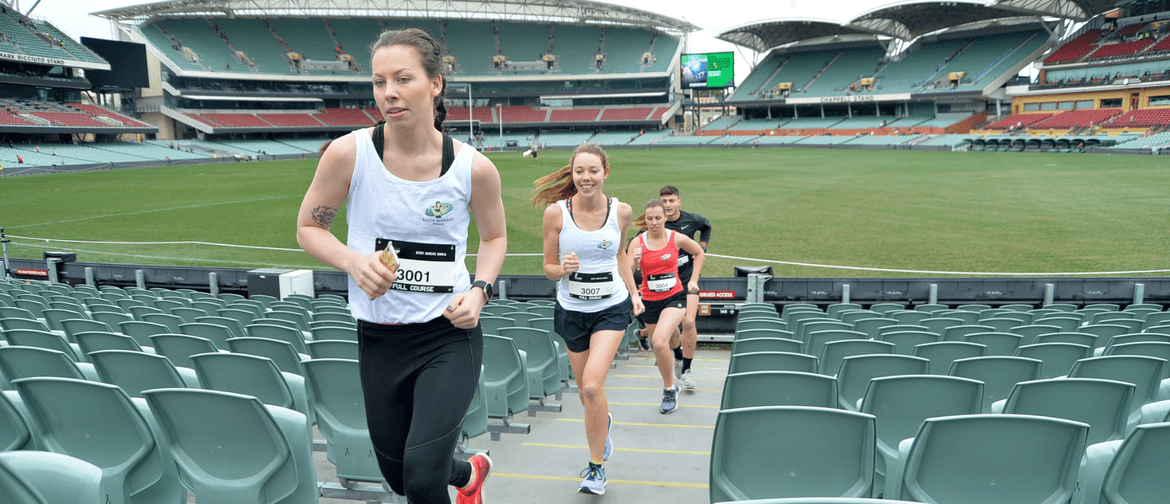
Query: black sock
x,y
686,364
677,353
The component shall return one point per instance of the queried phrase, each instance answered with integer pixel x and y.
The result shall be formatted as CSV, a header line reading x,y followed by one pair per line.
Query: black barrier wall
x,y
824,291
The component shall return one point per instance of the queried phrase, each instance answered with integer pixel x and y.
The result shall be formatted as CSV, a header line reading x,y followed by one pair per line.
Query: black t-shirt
x,y
688,224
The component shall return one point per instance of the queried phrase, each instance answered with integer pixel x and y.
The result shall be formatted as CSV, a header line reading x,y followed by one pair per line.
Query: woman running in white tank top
x,y
583,236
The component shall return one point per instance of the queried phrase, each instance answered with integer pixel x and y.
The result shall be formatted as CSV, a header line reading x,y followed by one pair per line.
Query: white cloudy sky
x,y
73,17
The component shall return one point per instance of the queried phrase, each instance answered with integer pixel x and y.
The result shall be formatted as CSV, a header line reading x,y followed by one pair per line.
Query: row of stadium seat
x,y
1115,396
251,45
1096,44
258,347
1105,118
18,112
366,117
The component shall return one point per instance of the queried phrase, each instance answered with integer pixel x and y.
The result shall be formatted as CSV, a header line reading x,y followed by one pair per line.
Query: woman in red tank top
x,y
665,298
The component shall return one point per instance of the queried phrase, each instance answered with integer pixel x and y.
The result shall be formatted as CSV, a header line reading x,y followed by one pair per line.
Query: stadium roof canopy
x,y
763,35
559,11
908,19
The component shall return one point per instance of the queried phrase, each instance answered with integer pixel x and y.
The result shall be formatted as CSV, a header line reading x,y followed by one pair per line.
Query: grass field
x,y
912,210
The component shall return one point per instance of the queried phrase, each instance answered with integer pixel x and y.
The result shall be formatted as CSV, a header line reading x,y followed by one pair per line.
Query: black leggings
x,y
418,380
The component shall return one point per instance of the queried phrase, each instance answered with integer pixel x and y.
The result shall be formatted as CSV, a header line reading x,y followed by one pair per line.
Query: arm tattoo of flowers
x,y
323,216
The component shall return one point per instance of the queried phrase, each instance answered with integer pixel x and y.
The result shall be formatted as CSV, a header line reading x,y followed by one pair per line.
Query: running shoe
x,y
678,368
608,440
669,400
688,381
594,482
644,342
474,493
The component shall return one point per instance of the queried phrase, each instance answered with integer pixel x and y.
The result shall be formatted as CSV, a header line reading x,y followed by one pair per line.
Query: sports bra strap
x,y
379,139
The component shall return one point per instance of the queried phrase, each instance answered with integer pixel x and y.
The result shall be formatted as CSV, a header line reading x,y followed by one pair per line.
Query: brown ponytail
x,y
558,185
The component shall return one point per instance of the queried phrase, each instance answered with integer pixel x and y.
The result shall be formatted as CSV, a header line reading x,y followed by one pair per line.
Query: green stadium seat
x,y
254,376
902,403
341,417
34,477
135,372
258,452
808,452
772,361
905,341
833,352
178,348
998,374
997,343
766,345
778,388
100,424
855,373
1103,404
1058,358
951,459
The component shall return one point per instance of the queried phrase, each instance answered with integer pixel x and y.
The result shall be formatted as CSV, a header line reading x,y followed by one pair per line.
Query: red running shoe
x,y
474,494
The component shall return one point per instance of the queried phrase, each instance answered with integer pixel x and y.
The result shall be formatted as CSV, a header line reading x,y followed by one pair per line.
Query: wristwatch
x,y
488,292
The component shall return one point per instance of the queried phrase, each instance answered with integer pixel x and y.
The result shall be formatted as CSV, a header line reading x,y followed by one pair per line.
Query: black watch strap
x,y
488,292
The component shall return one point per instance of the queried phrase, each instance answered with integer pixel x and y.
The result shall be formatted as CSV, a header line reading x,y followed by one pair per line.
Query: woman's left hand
x,y
692,287
463,310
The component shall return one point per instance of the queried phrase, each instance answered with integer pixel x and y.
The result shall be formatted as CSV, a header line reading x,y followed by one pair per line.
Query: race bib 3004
x,y
661,283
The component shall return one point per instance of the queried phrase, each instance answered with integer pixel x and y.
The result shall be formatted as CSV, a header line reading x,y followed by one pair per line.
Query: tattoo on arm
x,y
323,216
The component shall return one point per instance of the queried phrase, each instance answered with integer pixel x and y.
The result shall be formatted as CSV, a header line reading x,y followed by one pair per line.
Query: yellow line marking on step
x,y
639,450
641,424
659,377
610,387
657,404
624,482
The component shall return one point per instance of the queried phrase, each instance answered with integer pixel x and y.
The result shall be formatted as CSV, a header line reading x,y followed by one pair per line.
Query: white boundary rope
x,y
769,261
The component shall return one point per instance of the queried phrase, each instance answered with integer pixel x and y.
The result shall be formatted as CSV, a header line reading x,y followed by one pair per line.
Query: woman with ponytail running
x,y
583,233
665,297
411,194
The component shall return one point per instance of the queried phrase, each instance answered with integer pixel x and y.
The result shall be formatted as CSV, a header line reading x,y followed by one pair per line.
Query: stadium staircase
x,y
822,70
939,69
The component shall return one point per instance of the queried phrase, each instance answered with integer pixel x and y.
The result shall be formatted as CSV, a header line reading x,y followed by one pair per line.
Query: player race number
x,y
661,283
423,267
590,286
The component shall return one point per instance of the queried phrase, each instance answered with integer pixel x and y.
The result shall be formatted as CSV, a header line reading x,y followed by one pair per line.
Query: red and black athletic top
x,y
660,270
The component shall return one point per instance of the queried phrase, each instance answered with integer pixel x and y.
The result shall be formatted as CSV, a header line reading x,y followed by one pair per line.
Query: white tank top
x,y
596,285
427,224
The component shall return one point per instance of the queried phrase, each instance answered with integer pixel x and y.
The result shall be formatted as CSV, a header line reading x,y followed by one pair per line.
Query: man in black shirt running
x,y
686,223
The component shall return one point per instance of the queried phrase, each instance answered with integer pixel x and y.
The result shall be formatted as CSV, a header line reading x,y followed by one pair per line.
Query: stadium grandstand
x,y
264,69
552,77
921,69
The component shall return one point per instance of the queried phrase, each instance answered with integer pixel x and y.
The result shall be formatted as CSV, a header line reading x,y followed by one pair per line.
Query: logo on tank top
x,y
605,244
666,257
438,210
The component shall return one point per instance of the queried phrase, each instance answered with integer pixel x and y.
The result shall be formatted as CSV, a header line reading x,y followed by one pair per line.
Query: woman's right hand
x,y
372,276
636,256
571,263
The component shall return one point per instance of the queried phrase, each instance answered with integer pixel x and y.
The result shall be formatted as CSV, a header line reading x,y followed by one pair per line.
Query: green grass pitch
x,y
911,210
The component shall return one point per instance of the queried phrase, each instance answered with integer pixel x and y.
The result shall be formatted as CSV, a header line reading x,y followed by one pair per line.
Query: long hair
x,y
432,60
558,185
